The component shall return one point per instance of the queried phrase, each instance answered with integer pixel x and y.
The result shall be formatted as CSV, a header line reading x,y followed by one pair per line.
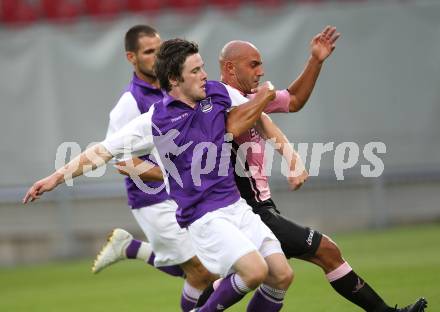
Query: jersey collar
x,y
142,83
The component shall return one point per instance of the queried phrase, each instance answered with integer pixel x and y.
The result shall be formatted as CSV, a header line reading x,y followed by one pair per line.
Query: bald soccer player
x,y
241,69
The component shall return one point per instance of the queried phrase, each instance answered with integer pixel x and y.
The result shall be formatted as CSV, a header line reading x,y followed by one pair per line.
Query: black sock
x,y
205,295
353,288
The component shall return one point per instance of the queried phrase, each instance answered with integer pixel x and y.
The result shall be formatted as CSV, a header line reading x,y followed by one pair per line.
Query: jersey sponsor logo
x,y
310,238
179,117
206,105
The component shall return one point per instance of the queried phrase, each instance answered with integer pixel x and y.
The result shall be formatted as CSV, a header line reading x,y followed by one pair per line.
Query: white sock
x,y
190,291
144,251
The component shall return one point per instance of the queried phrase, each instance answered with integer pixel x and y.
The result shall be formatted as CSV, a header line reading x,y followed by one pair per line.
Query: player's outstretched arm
x,y
321,47
243,117
88,160
133,139
270,131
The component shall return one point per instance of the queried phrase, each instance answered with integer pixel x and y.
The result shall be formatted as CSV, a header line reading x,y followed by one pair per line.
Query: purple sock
x,y
231,290
173,270
189,298
133,248
187,303
266,299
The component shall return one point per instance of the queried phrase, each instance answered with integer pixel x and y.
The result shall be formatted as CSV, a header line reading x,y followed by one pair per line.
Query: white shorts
x,y
223,236
171,244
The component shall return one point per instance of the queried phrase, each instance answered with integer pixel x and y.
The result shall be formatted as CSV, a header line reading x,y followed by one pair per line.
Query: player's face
x,y
145,56
192,84
248,70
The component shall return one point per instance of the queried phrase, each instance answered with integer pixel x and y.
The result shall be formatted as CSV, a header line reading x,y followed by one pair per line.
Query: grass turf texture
x,y
401,264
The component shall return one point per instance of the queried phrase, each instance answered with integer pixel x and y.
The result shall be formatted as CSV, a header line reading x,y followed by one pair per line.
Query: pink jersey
x,y
255,186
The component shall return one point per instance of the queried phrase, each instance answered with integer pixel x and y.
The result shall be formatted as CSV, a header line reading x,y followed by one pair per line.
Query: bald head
x,y
241,65
236,49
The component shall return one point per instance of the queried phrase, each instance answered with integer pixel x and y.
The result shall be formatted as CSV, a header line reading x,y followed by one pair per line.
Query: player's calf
x,y
328,255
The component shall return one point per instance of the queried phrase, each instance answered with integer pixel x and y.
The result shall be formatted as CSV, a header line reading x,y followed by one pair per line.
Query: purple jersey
x,y
201,132
136,100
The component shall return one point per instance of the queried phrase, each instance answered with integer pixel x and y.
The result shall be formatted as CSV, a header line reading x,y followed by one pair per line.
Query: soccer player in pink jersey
x,y
241,69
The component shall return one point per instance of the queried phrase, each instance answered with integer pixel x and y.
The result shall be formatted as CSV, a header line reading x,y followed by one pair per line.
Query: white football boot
x,y
113,251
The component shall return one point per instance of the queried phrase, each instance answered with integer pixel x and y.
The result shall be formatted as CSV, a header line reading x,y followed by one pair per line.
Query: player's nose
x,y
204,75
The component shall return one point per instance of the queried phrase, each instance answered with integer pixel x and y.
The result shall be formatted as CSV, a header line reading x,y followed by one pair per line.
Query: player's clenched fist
x,y
266,91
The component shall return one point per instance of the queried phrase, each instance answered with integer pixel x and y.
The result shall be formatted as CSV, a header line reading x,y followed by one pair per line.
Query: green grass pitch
x,y
401,264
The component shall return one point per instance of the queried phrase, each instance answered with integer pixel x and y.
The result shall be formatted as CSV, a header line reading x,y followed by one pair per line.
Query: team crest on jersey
x,y
206,105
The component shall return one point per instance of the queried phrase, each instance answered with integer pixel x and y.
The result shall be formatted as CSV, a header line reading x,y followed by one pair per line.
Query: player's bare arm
x,y
244,117
145,170
321,47
270,131
88,160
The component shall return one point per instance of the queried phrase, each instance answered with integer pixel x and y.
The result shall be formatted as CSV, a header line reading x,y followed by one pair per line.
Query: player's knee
x,y
253,278
252,268
257,277
330,249
285,277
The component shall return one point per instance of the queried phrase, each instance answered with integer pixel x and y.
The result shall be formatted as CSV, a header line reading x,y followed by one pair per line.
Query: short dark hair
x,y
134,33
170,59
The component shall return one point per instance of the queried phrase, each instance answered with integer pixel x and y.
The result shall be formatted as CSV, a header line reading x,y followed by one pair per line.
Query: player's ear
x,y
131,57
173,81
230,68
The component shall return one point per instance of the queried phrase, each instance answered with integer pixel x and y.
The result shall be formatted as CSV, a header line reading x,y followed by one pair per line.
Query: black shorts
x,y
296,240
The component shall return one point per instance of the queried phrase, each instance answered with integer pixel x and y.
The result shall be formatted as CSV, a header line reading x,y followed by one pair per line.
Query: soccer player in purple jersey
x,y
241,68
169,247
185,132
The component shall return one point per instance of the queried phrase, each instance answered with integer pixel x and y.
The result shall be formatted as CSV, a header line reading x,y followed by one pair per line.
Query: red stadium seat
x,y
144,5
275,3
17,12
187,5
62,10
103,8
226,4
311,1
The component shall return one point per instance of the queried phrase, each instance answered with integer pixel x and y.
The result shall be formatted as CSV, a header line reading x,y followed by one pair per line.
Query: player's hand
x,y
295,182
323,44
266,90
298,174
44,185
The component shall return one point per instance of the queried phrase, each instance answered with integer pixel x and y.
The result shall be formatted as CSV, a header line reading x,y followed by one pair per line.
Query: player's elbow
x,y
296,103
234,129
120,167
294,107
123,172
